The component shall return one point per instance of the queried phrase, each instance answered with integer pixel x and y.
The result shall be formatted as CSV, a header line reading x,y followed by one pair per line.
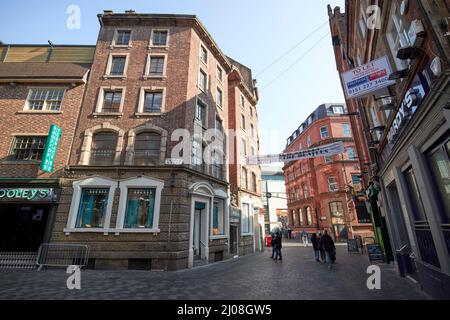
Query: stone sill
x,y
107,231
105,77
149,77
38,112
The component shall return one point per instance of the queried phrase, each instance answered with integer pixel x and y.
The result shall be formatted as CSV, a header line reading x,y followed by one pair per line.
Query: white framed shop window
x,y
139,215
247,219
87,213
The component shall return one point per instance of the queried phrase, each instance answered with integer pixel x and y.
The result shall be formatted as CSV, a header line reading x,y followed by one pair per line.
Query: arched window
x,y
308,216
103,149
147,147
300,216
305,191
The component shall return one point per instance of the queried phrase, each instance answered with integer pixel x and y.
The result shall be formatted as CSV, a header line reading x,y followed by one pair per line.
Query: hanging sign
x,y
323,151
368,78
48,159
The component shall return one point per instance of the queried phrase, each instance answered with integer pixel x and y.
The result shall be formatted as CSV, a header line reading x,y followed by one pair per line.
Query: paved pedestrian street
x,y
255,276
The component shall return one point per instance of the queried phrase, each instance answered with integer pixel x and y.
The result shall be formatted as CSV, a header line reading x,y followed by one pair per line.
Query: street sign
x,y
323,151
48,159
365,79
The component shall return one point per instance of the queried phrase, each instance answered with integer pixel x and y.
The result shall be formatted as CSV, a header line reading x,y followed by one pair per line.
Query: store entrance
x,y
23,227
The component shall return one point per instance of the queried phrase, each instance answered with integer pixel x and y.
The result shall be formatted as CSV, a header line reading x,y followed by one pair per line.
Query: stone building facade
x,y
145,187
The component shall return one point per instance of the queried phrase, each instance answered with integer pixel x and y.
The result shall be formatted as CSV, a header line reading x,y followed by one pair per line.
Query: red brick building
x,y
322,192
245,181
40,85
403,129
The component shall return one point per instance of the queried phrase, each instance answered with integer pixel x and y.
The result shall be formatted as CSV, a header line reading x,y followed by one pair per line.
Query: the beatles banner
x,y
323,151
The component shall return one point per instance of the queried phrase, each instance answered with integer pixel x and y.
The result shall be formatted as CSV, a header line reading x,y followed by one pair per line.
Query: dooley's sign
x,y
323,151
29,194
368,78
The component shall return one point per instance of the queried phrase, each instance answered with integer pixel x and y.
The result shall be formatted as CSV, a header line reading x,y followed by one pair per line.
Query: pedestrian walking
x,y
273,235
278,246
328,246
315,244
322,252
304,237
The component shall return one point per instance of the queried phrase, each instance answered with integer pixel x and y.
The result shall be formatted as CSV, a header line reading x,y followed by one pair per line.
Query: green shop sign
x,y
30,194
48,159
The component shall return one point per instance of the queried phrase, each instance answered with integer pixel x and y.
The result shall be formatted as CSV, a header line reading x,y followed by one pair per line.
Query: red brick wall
x,y
13,120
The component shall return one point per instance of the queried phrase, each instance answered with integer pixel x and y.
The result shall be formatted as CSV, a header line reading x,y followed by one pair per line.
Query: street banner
x,y
323,151
368,78
48,159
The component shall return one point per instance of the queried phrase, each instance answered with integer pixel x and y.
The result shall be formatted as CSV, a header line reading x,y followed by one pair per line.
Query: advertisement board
x,y
368,78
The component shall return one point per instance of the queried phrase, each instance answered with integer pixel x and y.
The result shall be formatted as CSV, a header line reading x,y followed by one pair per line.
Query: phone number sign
x,y
368,78
48,159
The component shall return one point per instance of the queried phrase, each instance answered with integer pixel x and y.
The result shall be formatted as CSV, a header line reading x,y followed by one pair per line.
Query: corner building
x,y
123,194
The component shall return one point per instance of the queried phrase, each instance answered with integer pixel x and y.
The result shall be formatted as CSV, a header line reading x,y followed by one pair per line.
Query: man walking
x,y
328,246
274,236
315,244
278,246
304,236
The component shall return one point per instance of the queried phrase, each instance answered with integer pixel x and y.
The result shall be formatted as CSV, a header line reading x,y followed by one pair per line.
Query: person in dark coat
x,y
328,246
315,243
322,252
274,236
278,246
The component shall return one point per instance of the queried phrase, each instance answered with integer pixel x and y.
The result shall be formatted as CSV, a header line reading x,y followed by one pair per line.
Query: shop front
x,y
27,215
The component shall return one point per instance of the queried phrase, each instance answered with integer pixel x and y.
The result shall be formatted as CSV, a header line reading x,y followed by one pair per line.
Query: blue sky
x,y
254,32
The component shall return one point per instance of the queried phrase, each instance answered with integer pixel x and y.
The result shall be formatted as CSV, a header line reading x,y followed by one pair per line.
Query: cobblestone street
x,y
256,276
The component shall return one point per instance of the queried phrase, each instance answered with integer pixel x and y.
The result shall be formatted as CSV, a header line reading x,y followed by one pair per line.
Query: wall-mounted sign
x,y
235,215
323,151
414,96
174,162
26,194
368,78
48,159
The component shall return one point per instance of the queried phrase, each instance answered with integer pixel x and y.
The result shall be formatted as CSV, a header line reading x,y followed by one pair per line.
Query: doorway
x,y
234,240
23,227
199,227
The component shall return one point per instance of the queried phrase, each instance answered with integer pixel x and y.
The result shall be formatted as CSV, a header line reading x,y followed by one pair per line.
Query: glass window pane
x,y
123,37
159,38
153,102
441,170
92,207
156,65
147,148
416,199
218,217
111,101
103,148
140,208
118,66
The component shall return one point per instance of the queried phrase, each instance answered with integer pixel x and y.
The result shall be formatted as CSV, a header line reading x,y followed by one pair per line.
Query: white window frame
x,y
242,124
109,65
243,146
92,182
322,134
151,45
200,54
242,101
140,182
206,110
26,107
101,96
201,70
394,41
343,130
147,74
220,105
143,90
116,32
334,183
250,219
220,80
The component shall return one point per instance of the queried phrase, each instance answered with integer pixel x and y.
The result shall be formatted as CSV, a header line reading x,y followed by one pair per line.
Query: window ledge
x,y
218,237
155,77
24,162
148,114
247,234
106,231
39,112
204,63
139,230
107,114
122,77
166,47
120,46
